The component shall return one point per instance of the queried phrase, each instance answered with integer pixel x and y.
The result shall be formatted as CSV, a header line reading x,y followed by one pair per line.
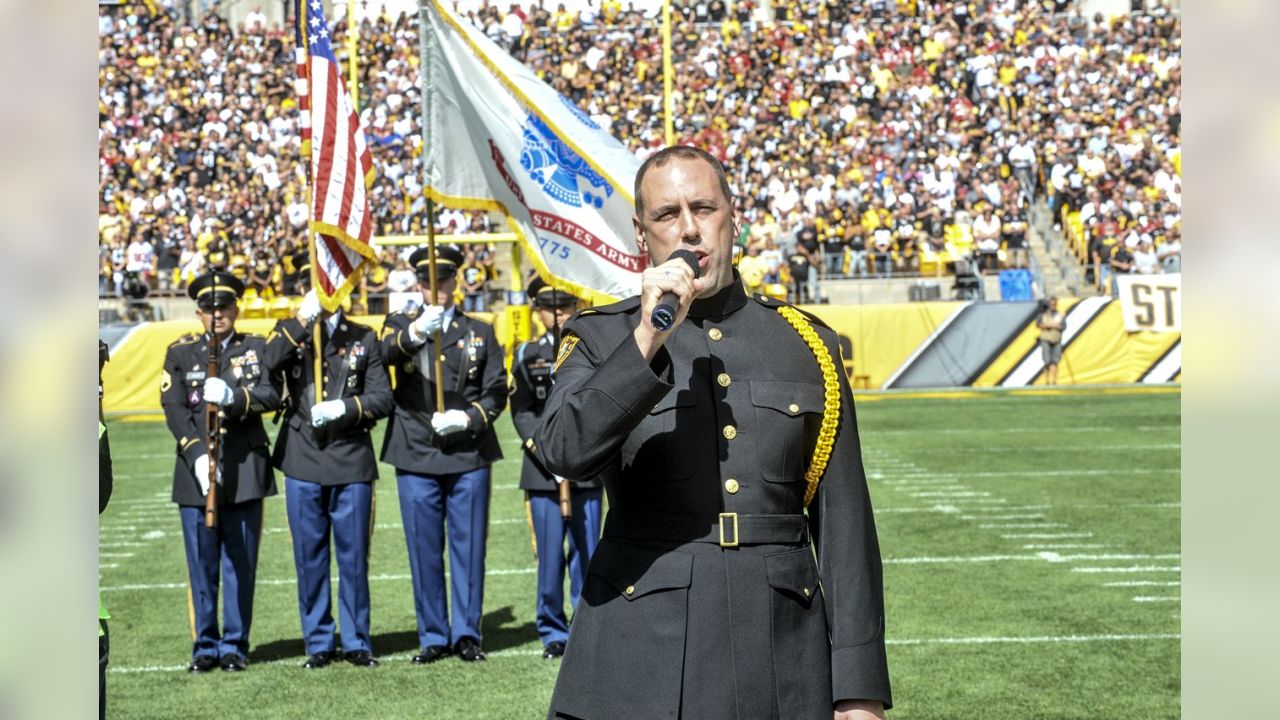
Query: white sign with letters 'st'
x,y
1151,302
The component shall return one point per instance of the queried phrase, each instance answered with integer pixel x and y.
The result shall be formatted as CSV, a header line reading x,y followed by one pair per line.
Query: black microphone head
x,y
689,258
663,316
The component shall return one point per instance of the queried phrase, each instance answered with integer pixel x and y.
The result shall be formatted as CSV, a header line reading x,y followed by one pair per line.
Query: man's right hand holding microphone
x,y
666,292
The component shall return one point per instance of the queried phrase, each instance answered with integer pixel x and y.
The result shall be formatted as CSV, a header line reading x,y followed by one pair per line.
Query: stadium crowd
x,y
865,138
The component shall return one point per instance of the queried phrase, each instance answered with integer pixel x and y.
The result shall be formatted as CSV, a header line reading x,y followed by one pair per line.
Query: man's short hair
x,y
684,152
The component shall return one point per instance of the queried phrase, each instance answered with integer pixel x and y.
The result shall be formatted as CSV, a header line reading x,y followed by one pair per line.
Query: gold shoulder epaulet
x,y
186,339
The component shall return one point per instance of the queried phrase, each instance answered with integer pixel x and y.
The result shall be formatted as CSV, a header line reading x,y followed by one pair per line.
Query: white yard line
x,y
1064,546
1045,473
1045,536
1020,431
1023,526
1144,583
291,581
950,494
1131,569
1155,598
1031,640
1047,639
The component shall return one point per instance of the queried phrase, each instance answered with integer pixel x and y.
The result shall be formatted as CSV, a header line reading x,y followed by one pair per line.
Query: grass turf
x,y
1032,570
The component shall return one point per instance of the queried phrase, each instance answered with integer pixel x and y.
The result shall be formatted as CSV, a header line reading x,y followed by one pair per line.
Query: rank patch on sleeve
x,y
567,344
165,381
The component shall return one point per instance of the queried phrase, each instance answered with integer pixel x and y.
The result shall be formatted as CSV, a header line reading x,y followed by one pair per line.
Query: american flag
x,y
341,166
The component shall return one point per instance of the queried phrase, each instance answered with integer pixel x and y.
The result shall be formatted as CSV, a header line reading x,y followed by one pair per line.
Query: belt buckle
x,y
732,516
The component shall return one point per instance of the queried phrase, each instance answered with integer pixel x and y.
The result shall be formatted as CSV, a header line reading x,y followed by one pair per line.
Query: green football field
x,y
1032,570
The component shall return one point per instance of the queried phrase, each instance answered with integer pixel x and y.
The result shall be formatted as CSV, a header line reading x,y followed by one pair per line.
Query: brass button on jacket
x,y
730,432
731,486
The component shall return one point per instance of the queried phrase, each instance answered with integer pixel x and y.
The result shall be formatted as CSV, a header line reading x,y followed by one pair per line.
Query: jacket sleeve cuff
x,y
478,417
241,402
292,329
353,409
861,672
406,344
192,449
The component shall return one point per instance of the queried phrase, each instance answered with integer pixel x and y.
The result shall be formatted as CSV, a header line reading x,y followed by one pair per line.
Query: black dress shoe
x,y
553,650
233,663
362,658
319,660
431,654
469,650
203,664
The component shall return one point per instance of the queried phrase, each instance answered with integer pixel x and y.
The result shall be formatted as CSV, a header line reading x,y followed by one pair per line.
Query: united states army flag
x,y
498,138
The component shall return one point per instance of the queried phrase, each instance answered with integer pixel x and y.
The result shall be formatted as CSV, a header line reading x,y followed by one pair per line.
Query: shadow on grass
x,y
499,634
383,644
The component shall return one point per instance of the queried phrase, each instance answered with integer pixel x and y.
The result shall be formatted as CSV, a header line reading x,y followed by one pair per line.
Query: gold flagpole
x,y
426,44
317,345
667,122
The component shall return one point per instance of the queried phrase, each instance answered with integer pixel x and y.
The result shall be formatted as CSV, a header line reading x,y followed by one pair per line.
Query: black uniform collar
x,y
725,302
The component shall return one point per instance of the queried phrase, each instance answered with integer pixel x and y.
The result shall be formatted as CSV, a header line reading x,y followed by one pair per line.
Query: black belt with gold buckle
x,y
728,529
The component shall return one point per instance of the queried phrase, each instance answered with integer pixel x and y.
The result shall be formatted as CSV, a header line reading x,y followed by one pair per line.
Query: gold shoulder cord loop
x,y
831,400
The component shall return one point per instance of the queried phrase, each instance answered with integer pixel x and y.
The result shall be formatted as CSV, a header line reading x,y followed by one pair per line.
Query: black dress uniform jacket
x,y
340,452
244,465
531,380
723,420
474,381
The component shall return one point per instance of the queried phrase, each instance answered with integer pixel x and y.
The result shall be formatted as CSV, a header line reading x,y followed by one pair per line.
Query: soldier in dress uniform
x,y
443,455
327,457
531,379
243,390
729,450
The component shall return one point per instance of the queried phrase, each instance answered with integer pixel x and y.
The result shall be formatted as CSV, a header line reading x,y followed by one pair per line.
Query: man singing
x,y
727,444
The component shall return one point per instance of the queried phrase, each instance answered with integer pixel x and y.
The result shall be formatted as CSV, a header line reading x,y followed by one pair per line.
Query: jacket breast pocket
x,y
665,444
788,416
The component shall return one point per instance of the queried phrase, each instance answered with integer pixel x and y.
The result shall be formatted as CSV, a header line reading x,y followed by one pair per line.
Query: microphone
x,y
665,313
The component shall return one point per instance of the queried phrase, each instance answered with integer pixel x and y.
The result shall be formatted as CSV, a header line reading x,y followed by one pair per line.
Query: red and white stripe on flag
x,y
341,166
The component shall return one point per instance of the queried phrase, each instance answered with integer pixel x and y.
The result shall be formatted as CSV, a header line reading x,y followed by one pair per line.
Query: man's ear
x,y
641,244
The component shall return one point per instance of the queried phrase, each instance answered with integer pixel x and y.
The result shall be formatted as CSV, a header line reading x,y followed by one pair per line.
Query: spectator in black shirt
x,y
807,248
1121,262
1014,229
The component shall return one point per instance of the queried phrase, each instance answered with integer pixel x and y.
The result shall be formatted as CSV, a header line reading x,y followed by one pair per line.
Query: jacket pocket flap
x,y
790,398
794,572
635,571
673,399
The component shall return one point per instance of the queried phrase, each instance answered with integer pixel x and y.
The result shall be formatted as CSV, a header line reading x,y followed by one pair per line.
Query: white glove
x,y
217,392
431,320
450,421
202,473
327,411
310,307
